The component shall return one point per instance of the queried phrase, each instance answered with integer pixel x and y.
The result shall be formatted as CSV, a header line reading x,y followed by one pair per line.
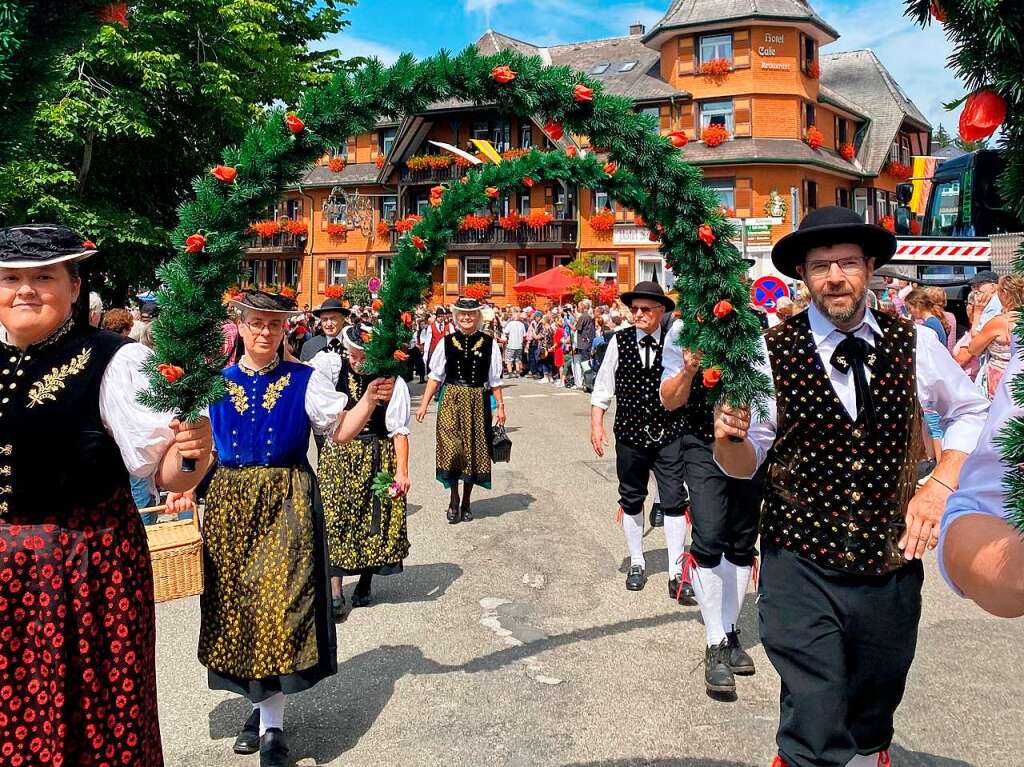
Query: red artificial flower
x,y
492,192
706,234
815,138
89,245
418,242
224,173
195,243
295,125
400,355
336,164
528,182
937,11
983,113
170,372
711,377
376,304
503,74
610,168
848,152
436,191
554,130
582,93
678,138
407,319
114,13
722,309
571,151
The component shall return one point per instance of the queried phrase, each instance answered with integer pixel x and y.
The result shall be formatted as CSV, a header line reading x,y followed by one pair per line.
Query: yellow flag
x,y
487,150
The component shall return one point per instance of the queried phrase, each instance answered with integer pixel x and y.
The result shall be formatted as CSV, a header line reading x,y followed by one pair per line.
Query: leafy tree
x,y
357,291
110,111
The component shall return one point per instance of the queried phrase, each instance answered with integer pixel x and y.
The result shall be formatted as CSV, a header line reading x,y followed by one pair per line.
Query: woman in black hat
x,y
468,363
77,626
844,525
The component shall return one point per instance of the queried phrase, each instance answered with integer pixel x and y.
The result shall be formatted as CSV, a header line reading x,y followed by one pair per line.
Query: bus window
x,y
945,208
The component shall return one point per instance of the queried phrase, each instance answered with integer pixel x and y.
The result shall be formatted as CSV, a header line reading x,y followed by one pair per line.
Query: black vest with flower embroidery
x,y
641,420
353,385
55,453
836,493
467,359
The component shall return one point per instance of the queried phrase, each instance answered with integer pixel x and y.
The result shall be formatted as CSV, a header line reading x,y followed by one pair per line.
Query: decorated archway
x,y
644,171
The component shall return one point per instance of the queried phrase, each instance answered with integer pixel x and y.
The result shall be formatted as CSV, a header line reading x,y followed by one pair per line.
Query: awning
x,y
555,283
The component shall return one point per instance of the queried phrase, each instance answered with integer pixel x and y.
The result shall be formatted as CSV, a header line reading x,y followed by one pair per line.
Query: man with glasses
x,y
332,315
844,525
647,436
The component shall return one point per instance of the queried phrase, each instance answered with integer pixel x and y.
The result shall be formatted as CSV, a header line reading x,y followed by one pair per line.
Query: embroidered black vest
x,y
55,454
699,411
354,385
836,493
467,359
640,418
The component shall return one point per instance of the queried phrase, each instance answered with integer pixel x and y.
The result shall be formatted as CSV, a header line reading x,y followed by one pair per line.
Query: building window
x,y
881,205
562,260
501,135
725,188
604,267
600,69
252,272
337,213
715,47
293,209
524,204
387,140
291,271
383,267
842,132
809,50
522,266
526,135
812,195
422,205
337,271
476,269
628,66
905,149
601,200
273,273
654,112
388,208
860,203
717,113
843,197
481,129
810,115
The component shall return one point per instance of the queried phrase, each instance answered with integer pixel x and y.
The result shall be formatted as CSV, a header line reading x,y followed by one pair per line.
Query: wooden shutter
x,y
687,58
665,118
688,120
321,275
498,273
451,276
741,48
549,201
744,194
623,275
742,116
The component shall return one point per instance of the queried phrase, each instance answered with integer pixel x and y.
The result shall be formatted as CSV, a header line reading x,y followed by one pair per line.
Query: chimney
x,y
636,28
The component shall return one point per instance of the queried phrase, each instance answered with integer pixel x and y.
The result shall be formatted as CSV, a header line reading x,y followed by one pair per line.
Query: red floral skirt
x,y
77,640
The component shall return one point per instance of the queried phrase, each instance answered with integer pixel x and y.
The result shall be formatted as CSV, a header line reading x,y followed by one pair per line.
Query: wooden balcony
x,y
558,234
431,175
280,243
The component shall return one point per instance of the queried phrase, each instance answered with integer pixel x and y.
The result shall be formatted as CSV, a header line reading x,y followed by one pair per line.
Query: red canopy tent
x,y
555,283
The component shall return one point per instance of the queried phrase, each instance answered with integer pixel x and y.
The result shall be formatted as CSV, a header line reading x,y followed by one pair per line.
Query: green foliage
x,y
357,291
653,180
987,37
103,127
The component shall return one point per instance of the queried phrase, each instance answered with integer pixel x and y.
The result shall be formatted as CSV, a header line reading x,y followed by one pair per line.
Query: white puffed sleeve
x,y
325,407
141,434
438,360
399,409
496,366
328,363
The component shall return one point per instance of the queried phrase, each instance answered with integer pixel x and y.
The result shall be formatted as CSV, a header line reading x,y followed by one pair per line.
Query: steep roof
x,y
859,77
353,174
694,13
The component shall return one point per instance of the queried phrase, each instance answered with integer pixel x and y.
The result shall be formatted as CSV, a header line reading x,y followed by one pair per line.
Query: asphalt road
x,y
511,641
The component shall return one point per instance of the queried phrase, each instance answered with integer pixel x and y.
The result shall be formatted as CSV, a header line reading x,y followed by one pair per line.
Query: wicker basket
x,y
176,550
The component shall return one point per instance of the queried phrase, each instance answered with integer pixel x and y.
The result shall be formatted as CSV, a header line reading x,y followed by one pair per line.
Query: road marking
x,y
532,396
567,394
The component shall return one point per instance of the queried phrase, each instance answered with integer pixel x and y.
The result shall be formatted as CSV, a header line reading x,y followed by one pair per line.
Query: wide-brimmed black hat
x,y
832,226
467,305
262,301
332,305
651,290
32,245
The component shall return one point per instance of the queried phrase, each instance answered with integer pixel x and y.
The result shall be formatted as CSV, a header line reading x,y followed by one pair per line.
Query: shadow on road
x,y
417,583
699,761
502,504
903,758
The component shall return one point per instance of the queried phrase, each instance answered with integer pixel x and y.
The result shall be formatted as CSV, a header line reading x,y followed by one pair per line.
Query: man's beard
x,y
841,316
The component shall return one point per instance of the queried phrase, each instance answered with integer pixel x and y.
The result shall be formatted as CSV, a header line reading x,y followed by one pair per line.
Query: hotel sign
x,y
769,51
631,235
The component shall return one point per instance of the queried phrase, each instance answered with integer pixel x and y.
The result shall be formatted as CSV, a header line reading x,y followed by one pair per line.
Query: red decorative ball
x,y
528,182
571,151
172,373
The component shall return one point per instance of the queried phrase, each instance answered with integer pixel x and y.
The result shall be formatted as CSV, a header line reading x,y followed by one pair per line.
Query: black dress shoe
x,y
248,740
340,609
737,658
361,594
681,592
454,515
636,578
657,516
718,676
273,748
467,514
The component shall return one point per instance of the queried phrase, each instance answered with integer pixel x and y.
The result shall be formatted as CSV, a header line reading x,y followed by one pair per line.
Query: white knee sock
x,y
860,760
708,588
734,590
633,527
675,535
271,712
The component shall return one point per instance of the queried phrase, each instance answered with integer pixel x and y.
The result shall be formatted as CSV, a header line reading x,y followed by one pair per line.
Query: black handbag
x,y
501,446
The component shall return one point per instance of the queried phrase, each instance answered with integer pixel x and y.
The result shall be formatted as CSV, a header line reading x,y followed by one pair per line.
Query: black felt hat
x,y
261,301
832,226
332,305
651,290
467,305
22,247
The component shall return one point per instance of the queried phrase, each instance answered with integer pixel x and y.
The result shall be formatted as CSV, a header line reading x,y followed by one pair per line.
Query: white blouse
x,y
438,360
328,364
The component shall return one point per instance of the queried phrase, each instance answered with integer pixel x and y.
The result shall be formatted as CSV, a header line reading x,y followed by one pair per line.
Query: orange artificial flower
x,y
503,74
224,173
418,242
722,309
492,192
400,355
706,234
171,373
376,304
554,130
678,138
611,168
711,377
528,182
89,245
571,151
582,93
195,243
295,125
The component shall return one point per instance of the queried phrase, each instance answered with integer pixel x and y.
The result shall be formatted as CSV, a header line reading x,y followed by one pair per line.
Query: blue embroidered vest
x,y
262,420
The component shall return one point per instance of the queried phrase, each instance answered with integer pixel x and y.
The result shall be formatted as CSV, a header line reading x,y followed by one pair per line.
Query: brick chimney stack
x,y
636,28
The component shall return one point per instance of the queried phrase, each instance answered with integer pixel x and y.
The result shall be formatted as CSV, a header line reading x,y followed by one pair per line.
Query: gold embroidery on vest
x,y
238,397
273,392
52,382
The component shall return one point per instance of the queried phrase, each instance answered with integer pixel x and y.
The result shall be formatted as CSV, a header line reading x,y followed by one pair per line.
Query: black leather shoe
x,y
718,676
248,740
454,515
736,656
273,749
681,593
636,578
467,514
340,609
657,516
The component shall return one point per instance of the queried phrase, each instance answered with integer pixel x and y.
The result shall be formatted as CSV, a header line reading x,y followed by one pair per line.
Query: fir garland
x,y
645,172
987,36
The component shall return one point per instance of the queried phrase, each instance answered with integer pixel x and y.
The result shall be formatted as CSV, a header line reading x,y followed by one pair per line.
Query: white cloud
x,y
486,7
351,46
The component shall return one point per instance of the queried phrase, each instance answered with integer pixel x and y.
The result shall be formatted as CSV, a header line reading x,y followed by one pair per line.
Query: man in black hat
x,y
331,314
647,436
844,525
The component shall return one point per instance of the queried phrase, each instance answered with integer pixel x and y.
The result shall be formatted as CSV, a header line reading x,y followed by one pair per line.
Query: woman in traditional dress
x,y
469,365
266,622
366,534
77,625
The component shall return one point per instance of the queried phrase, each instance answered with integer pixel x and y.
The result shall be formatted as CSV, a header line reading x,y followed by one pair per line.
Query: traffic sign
x,y
767,291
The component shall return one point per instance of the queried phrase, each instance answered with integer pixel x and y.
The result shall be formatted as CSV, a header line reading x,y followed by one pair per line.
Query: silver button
x,y
13,359
20,373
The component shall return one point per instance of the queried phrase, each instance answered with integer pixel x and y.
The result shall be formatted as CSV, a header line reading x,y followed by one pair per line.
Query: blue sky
x,y
384,28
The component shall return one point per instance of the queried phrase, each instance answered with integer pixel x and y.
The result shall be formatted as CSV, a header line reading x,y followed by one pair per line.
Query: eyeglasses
x,y
259,328
644,309
851,265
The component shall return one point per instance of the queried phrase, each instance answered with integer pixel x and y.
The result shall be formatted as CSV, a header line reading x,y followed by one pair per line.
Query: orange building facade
x,y
717,64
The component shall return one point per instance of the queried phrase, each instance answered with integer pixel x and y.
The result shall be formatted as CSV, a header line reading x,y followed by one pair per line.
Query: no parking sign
x,y
766,292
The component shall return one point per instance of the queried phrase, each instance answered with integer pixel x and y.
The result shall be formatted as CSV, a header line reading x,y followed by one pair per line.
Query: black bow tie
x,y
647,341
856,354
333,345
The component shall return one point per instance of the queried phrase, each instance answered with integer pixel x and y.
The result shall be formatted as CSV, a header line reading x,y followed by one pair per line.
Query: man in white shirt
x,y
844,525
647,436
515,335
